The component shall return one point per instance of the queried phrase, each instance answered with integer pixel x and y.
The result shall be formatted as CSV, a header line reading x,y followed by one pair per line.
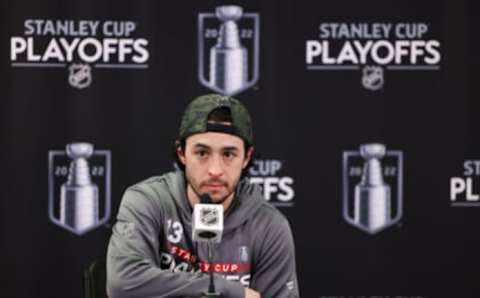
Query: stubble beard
x,y
198,193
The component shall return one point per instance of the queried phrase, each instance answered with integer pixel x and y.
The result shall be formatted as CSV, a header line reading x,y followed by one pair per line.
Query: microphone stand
x,y
211,293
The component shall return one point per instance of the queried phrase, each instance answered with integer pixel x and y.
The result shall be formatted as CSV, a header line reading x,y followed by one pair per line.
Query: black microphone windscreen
x,y
205,199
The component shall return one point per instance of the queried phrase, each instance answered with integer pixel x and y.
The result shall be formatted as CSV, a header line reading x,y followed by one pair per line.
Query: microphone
x,y
208,227
207,221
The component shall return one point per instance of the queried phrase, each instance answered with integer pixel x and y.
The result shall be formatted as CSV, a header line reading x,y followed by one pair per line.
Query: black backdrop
x,y
303,118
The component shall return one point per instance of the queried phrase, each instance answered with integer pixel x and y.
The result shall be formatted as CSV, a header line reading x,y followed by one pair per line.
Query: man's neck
x,y
194,199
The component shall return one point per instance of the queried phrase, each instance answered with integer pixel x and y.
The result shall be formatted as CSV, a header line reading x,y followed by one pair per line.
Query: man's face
x,y
213,164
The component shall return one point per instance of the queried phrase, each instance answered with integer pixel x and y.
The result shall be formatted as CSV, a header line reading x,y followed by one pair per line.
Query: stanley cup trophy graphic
x,y
79,187
228,58
79,196
372,207
231,51
372,187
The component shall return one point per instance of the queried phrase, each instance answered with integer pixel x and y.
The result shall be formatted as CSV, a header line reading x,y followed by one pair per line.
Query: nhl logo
x,y
372,78
372,187
79,187
209,216
228,49
80,75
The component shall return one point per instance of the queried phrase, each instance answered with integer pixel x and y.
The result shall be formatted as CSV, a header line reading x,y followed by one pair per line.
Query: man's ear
x,y
180,152
248,157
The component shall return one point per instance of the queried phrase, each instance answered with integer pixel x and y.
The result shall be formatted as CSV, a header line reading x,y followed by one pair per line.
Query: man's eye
x,y
229,154
201,153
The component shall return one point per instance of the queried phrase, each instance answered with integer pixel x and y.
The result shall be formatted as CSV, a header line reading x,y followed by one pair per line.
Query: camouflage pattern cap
x,y
195,118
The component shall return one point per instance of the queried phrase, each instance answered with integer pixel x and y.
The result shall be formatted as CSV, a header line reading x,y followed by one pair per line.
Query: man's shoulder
x,y
271,230
155,187
270,215
254,202
153,182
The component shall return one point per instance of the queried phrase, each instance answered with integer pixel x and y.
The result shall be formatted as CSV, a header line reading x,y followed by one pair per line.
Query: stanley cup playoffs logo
x,y
374,48
79,187
77,47
372,187
228,49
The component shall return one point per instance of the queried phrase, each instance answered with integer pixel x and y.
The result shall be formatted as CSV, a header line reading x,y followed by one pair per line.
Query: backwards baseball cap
x,y
195,118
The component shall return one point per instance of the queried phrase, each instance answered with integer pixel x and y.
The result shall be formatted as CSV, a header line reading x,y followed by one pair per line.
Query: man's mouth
x,y
214,185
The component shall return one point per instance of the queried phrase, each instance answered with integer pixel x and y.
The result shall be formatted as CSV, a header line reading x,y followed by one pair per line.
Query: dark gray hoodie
x,y
151,253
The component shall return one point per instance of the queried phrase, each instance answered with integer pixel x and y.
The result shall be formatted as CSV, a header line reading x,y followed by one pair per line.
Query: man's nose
x,y
215,167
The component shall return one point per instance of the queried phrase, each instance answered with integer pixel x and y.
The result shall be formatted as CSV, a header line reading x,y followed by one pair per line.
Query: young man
x,y
151,252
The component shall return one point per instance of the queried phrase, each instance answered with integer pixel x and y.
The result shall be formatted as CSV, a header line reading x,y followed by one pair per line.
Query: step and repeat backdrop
x,y
365,128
